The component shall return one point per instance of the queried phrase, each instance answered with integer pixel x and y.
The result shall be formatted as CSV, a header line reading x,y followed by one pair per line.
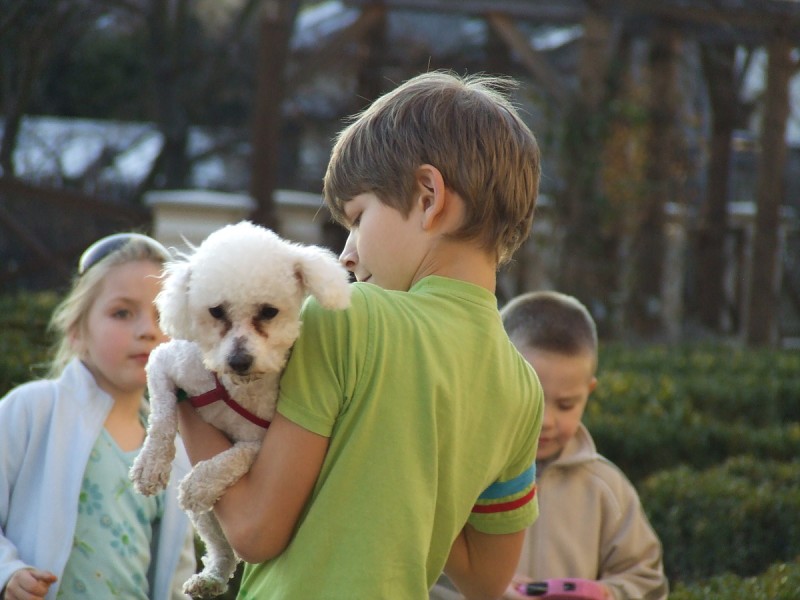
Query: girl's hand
x,y
28,584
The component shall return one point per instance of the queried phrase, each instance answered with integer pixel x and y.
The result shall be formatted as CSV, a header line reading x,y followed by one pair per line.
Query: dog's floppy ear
x,y
173,301
322,276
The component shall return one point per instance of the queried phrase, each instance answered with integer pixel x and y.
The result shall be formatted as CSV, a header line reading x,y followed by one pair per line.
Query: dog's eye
x,y
218,312
267,313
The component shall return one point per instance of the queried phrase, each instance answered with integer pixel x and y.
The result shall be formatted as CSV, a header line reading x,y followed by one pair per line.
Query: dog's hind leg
x,y
219,560
208,480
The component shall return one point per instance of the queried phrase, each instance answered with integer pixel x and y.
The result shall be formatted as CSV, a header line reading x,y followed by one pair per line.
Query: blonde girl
x,y
71,525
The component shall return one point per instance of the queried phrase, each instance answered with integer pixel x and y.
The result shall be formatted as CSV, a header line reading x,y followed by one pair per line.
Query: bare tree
x,y
276,23
645,313
761,318
588,251
30,32
718,66
589,248
187,62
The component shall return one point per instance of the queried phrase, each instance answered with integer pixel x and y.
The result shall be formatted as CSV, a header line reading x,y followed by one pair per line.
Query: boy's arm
x,y
631,560
260,511
481,564
630,552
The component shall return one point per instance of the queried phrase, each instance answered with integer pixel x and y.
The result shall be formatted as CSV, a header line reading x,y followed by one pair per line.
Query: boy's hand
x,y
511,591
28,584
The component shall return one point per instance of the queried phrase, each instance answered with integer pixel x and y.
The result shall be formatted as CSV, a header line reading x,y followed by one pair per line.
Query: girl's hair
x,y
103,256
465,127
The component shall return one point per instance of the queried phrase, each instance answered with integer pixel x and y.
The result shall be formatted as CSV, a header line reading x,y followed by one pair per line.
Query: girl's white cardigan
x,y
47,431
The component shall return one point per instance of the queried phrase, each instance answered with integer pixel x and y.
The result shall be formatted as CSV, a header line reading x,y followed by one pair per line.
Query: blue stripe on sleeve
x,y
502,489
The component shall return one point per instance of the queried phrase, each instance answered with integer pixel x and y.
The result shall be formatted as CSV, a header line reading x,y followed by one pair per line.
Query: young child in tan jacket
x,y
592,525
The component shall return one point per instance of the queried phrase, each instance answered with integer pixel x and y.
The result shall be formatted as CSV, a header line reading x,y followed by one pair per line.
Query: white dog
x,y
232,310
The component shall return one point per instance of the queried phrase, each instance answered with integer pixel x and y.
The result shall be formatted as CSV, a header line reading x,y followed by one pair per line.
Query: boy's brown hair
x,y
465,127
550,321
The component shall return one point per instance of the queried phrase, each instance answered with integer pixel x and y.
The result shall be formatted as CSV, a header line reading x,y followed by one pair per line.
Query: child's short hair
x,y
464,126
550,321
102,256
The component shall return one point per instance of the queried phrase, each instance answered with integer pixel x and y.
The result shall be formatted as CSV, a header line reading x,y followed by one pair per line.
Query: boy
x,y
592,524
382,466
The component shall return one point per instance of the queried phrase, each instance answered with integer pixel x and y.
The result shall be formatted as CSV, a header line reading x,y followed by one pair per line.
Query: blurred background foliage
x,y
669,132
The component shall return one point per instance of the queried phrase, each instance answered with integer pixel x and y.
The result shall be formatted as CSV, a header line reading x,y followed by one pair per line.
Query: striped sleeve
x,y
507,506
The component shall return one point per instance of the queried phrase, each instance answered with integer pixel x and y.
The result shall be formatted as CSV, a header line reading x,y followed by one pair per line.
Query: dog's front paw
x,y
149,476
196,495
201,585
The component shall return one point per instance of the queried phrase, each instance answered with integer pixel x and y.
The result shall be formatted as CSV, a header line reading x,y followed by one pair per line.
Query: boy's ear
x,y
592,384
432,194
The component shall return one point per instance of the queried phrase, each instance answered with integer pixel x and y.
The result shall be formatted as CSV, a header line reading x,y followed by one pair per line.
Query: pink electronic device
x,y
563,589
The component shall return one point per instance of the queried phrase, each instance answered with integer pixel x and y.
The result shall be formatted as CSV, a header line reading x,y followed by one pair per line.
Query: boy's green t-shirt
x,y
428,407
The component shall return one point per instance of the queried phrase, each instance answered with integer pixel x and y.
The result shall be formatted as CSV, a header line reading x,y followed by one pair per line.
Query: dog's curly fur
x,y
232,308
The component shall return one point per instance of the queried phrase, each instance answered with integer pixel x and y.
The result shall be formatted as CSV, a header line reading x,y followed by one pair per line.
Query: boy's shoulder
x,y
584,460
607,470
360,294
366,296
598,471
434,308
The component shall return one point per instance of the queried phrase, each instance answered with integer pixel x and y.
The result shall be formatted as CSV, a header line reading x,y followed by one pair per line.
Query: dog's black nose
x,y
240,362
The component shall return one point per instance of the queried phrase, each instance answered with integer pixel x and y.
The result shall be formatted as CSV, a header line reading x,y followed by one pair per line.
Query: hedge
x,y
699,384
657,407
780,582
24,342
645,445
737,517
